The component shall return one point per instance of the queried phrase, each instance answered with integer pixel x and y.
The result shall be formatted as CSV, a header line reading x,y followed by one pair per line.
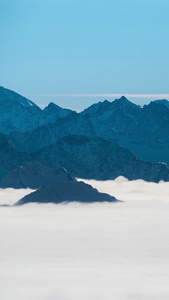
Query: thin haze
x,y
87,251
84,47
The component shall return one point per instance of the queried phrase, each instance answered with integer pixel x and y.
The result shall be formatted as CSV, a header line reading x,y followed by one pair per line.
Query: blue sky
x,y
50,48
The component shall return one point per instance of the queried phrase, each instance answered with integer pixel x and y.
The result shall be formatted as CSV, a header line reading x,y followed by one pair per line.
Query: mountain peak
x,y
123,101
8,95
52,106
162,101
123,98
69,191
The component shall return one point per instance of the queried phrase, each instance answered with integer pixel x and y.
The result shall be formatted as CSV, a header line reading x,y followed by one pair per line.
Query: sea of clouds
x,y
98,251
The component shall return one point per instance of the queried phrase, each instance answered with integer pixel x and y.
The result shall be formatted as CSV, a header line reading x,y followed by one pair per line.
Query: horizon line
x,y
104,95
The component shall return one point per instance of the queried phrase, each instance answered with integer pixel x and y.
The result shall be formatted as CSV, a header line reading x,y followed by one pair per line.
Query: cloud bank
x,y
87,251
136,190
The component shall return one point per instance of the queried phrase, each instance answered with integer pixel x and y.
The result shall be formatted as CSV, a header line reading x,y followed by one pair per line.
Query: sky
x,y
71,51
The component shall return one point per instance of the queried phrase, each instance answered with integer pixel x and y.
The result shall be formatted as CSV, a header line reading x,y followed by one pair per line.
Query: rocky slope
x,y
163,101
99,159
10,158
34,175
144,131
73,124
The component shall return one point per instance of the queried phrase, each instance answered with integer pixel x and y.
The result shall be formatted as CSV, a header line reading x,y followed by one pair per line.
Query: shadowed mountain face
x,y
66,192
10,158
47,135
163,101
132,122
99,159
105,109
34,175
144,131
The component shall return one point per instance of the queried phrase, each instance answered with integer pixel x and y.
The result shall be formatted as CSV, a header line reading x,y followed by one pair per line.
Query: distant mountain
x,y
10,158
163,101
117,117
66,192
34,175
120,126
105,109
72,124
54,112
20,114
144,131
8,95
99,159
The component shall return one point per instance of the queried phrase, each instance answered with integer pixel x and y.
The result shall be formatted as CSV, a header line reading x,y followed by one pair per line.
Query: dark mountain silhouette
x,y
66,192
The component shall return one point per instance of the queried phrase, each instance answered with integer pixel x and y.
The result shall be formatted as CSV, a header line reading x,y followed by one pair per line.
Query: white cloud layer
x,y
138,190
107,251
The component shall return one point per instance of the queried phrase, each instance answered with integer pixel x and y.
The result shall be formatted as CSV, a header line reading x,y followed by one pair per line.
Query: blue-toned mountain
x,y
72,124
97,158
17,113
145,131
33,175
10,158
66,192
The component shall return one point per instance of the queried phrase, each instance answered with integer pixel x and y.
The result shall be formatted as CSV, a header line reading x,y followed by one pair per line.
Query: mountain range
x,y
100,159
104,141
